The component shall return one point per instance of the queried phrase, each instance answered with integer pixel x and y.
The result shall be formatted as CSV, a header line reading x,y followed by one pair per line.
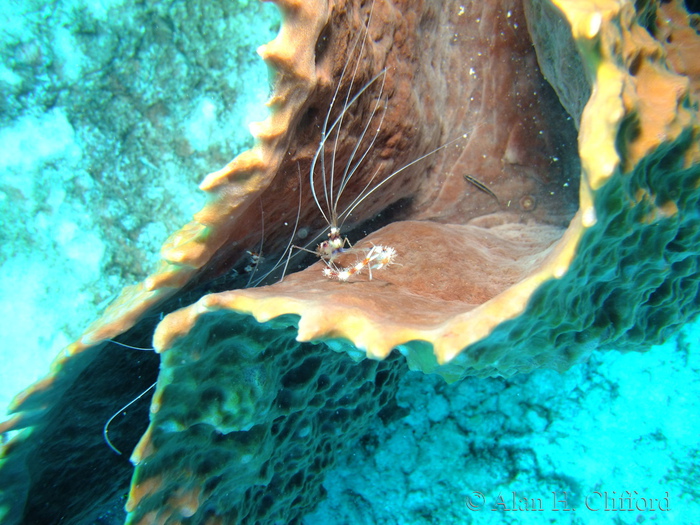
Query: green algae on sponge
x,y
246,420
634,282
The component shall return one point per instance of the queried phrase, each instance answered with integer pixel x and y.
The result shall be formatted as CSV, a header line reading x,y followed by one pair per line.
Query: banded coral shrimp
x,y
329,250
336,245
329,179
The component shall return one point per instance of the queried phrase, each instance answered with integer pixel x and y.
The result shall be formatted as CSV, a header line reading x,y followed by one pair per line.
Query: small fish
x,y
483,187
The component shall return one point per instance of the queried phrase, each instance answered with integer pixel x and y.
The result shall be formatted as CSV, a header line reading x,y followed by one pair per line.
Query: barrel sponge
x,y
508,298
625,274
245,421
481,287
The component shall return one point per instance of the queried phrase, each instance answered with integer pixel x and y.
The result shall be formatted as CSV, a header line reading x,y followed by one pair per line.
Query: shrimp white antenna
x,y
364,193
329,201
105,429
352,165
326,131
262,240
130,346
325,135
288,248
294,231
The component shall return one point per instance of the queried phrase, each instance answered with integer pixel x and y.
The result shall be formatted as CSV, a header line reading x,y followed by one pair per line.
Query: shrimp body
x,y
334,246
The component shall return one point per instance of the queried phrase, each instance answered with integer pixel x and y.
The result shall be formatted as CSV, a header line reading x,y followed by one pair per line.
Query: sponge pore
x,y
247,422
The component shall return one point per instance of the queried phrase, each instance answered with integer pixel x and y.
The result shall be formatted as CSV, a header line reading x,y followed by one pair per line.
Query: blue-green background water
x,y
110,116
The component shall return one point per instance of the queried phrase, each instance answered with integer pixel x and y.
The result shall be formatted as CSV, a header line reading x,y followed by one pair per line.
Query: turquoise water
x,y
112,114
538,448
